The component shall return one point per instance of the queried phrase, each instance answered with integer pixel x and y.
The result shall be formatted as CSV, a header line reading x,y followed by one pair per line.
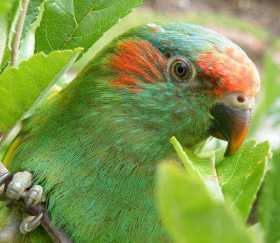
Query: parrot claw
x,y
20,189
30,223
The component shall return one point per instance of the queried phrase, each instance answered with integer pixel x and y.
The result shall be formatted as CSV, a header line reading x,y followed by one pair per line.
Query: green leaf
x,y
189,212
32,15
3,37
67,24
199,167
269,203
241,175
257,232
32,21
8,11
20,87
5,7
188,164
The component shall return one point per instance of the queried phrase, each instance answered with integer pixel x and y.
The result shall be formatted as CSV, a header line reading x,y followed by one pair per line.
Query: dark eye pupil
x,y
181,69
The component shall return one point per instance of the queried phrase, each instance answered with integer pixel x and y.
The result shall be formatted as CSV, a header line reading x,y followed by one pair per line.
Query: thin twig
x,y
19,30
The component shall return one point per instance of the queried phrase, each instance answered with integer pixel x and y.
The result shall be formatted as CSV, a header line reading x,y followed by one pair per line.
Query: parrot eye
x,y
181,70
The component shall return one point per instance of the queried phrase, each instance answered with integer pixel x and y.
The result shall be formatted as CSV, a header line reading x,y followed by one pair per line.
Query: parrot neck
x,y
96,152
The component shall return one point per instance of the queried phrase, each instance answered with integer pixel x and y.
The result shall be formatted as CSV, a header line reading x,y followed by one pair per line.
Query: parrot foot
x,y
20,189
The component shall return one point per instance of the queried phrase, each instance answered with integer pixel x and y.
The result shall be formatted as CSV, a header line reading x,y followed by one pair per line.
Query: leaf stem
x,y
19,30
183,156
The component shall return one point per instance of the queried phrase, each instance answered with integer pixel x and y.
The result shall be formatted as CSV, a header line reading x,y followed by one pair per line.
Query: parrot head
x,y
184,80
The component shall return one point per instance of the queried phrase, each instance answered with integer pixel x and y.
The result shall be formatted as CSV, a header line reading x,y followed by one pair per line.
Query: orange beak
x,y
230,124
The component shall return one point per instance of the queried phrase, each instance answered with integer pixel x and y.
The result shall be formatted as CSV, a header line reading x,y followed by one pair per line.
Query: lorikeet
x,y
94,147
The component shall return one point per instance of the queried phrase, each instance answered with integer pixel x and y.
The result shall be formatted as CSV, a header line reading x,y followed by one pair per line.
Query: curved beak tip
x,y
235,142
230,124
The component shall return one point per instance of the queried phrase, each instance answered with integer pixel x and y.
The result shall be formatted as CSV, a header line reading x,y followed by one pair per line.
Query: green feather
x,y
94,148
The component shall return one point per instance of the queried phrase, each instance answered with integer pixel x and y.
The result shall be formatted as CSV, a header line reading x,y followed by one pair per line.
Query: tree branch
x,y
19,30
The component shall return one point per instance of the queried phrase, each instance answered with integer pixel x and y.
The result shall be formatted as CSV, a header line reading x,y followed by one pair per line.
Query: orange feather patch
x,y
229,70
137,61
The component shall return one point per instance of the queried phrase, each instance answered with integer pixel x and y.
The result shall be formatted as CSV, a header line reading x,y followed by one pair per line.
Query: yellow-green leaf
x,y
241,175
269,203
21,86
68,24
191,214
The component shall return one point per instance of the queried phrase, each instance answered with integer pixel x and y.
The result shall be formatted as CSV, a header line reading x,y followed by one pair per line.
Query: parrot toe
x,y
21,187
30,223
34,196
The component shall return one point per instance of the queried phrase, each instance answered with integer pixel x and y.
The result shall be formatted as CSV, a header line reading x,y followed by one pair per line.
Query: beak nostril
x,y
241,99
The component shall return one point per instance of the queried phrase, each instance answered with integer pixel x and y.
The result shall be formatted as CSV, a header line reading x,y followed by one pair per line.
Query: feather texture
x,y
95,146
